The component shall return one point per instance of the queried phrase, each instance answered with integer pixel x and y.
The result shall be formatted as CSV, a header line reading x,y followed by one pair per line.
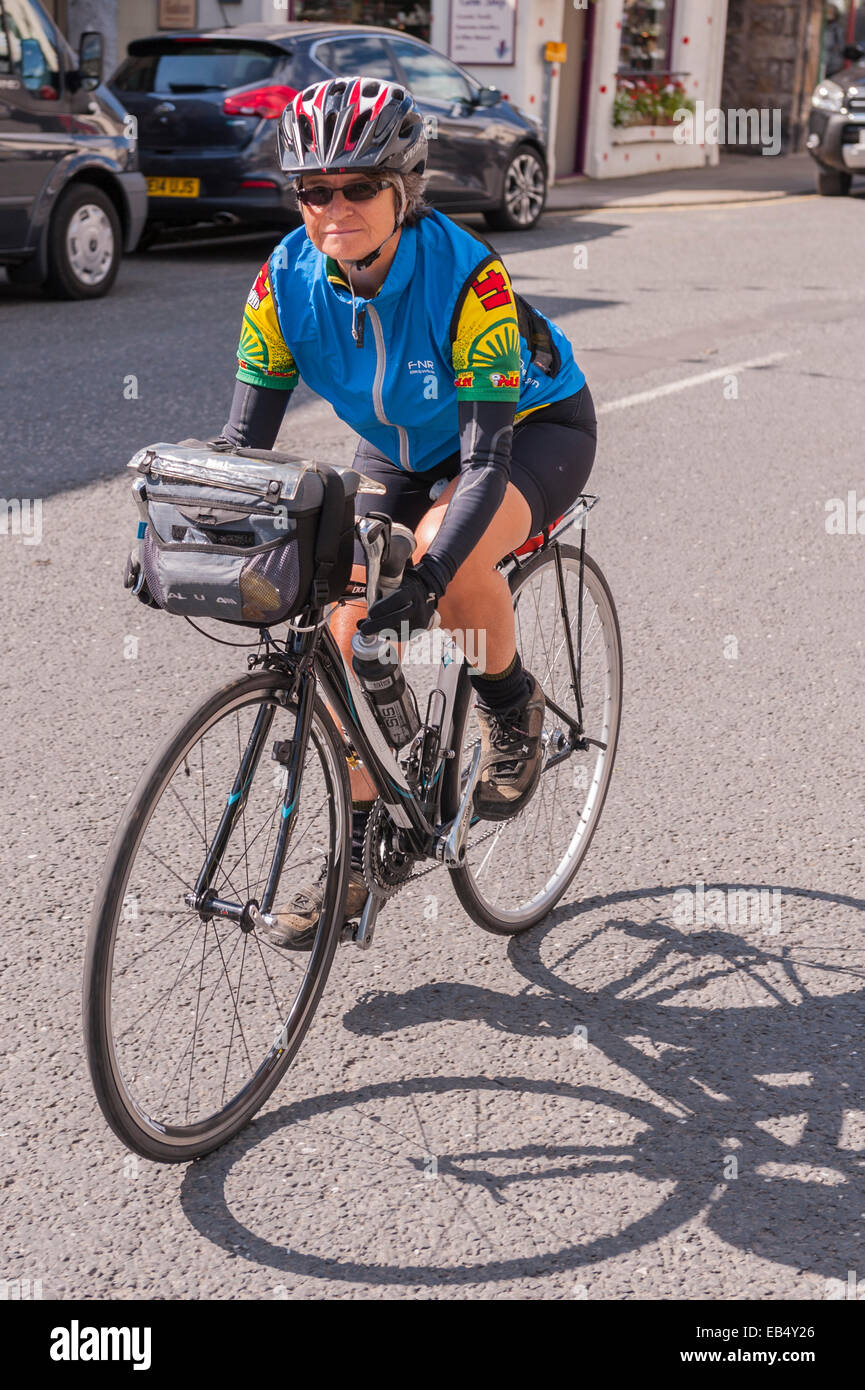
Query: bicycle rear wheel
x,y
191,1021
515,871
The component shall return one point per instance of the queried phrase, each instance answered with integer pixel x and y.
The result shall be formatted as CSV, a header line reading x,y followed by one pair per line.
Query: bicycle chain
x,y
370,874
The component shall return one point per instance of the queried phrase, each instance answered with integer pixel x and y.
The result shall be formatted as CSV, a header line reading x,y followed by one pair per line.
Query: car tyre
x,y
524,192
84,244
832,183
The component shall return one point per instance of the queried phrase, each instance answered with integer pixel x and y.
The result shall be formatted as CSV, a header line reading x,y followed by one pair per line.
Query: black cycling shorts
x,y
551,459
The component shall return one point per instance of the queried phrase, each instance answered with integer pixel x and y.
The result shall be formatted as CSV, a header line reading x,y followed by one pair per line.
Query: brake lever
x,y
372,534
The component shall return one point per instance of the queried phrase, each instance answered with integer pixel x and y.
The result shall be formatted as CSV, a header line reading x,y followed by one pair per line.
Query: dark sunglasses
x,y
319,195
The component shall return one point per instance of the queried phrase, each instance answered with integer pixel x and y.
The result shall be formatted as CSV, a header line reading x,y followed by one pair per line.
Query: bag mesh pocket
x,y
270,584
149,558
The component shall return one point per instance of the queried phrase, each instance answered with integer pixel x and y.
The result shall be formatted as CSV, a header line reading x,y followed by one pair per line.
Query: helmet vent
x,y
406,128
305,126
329,123
359,126
370,89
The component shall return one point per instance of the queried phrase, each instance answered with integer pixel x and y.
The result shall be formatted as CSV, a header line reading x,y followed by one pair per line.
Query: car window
x,y
196,68
364,55
429,76
31,53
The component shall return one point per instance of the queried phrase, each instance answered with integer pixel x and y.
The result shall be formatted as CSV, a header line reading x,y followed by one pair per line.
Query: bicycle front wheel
x,y
192,1020
515,871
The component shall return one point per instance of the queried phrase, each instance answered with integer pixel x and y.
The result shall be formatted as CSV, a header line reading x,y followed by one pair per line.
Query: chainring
x,y
385,866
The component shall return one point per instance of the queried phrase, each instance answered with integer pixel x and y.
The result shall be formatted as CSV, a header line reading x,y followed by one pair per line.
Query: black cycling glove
x,y
408,609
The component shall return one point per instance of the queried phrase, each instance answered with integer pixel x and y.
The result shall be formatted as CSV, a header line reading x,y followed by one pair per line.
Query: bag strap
x,y
329,538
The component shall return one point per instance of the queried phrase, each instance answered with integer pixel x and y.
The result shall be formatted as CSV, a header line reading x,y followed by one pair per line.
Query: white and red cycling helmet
x,y
352,124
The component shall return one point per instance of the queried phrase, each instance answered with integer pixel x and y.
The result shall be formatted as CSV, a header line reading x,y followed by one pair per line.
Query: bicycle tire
x,y
137,1130
464,883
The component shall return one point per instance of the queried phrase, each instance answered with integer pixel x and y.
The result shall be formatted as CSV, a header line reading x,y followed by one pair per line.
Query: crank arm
x,y
451,847
361,935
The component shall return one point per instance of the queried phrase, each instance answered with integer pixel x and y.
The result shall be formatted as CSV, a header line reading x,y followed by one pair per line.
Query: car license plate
x,y
172,187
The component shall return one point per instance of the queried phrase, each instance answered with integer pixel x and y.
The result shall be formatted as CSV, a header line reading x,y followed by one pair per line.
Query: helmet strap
x,y
398,221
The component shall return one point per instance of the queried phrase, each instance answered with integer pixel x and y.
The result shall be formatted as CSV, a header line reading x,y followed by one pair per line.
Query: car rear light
x,y
259,183
269,102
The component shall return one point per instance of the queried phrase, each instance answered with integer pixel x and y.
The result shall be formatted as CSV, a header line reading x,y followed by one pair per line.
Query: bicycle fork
x,y
253,914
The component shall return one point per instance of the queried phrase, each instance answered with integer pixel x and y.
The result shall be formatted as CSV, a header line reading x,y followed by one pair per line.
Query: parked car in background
x,y
71,197
208,104
836,127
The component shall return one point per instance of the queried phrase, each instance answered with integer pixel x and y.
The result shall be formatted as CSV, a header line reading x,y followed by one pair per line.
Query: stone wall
x,y
771,60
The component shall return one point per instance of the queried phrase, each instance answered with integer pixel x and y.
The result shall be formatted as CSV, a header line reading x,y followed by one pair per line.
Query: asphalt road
x,y
621,1104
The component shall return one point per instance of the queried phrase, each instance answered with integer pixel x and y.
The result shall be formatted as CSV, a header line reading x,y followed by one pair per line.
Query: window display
x,y
409,18
646,29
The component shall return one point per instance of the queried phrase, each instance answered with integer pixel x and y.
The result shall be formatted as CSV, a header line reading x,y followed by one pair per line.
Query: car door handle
x,y
163,108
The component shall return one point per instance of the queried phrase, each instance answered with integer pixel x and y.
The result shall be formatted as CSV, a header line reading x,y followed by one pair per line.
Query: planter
x,y
647,134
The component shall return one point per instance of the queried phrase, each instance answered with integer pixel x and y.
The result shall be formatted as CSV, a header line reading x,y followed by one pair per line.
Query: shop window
x,y
410,18
646,32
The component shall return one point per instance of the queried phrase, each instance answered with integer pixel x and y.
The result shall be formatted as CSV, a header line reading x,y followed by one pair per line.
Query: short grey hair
x,y
413,186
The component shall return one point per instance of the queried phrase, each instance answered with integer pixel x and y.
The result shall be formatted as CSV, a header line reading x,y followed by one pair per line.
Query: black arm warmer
x,y
486,432
255,416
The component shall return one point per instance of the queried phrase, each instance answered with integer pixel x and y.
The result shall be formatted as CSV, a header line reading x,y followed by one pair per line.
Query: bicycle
x,y
214,837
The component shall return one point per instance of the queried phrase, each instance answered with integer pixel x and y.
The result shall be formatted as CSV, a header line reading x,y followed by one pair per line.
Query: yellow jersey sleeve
x,y
486,337
263,358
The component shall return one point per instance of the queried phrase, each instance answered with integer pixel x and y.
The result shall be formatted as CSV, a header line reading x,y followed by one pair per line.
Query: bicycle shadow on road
x,y
721,1063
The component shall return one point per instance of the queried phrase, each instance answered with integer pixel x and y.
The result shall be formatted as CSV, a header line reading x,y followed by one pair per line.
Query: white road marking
x,y
671,387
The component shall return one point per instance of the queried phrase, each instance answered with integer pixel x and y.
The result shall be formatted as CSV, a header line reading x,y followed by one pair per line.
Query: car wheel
x,y
84,244
832,183
524,193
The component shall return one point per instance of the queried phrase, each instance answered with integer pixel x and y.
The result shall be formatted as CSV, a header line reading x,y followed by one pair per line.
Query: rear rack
x,y
578,511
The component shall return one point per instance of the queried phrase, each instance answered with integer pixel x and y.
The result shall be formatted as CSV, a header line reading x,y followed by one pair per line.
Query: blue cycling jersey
x,y
444,327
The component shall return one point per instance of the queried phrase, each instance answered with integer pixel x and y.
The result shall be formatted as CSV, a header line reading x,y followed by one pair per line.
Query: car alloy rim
x,y
90,243
524,188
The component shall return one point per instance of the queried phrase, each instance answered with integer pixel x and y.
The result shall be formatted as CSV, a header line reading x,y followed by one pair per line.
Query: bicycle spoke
x,y
538,851
195,1006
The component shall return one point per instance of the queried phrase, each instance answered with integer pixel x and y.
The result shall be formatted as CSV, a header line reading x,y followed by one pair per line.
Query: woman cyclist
x,y
469,406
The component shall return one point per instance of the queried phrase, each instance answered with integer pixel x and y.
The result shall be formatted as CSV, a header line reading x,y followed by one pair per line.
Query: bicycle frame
x,y
312,658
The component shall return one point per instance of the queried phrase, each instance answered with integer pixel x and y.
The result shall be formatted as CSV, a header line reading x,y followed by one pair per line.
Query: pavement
x,y
633,1100
736,178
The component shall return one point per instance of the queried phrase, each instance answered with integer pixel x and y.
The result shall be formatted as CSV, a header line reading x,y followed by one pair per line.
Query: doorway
x,y
570,79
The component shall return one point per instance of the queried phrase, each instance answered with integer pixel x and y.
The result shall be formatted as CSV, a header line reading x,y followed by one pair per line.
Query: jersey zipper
x,y
377,400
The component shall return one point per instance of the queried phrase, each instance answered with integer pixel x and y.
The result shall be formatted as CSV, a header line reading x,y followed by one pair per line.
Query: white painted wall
x,y
698,48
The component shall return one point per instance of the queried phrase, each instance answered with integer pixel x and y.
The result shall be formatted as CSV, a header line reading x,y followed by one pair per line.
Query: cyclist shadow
x,y
734,1052
767,1098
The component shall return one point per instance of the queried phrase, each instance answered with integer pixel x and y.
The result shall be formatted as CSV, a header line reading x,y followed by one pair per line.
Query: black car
x,y
836,128
71,199
207,106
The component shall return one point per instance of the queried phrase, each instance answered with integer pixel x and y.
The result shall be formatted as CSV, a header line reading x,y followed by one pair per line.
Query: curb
x,y
683,199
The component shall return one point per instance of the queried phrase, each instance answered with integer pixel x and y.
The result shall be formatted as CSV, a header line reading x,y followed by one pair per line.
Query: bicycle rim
x,y
189,1023
515,871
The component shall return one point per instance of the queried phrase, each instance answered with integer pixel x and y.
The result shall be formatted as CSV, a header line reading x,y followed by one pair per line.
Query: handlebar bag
x,y
252,537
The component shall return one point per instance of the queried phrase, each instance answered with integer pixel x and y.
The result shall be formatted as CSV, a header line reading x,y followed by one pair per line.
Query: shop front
x,y
654,61
604,77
